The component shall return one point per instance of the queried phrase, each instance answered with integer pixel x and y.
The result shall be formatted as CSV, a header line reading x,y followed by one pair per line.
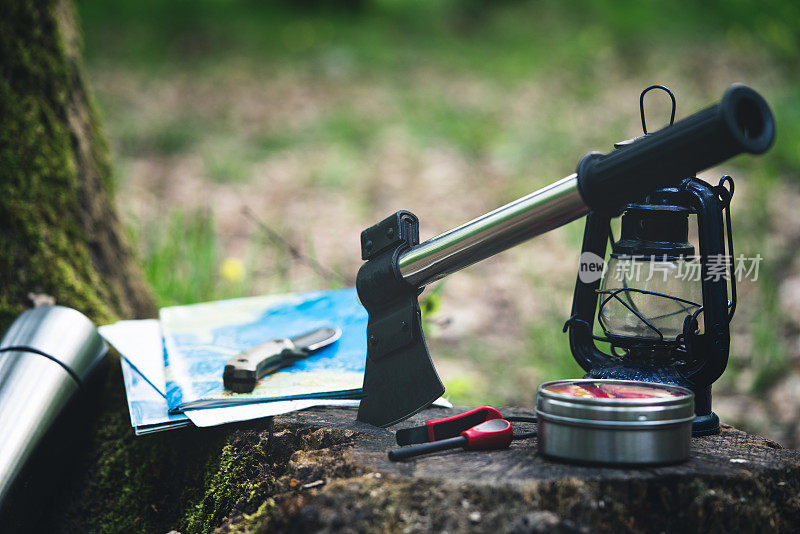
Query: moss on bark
x,y
59,233
192,480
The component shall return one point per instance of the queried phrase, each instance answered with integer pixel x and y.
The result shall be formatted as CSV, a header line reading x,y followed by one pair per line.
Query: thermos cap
x,y
60,334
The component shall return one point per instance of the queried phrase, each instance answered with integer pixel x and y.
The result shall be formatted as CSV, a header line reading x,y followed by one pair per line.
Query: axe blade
x,y
399,384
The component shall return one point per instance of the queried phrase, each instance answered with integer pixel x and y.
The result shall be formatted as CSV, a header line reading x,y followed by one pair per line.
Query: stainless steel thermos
x,y
45,357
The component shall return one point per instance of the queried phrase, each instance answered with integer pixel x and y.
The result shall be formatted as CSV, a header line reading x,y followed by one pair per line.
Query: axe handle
x,y
740,122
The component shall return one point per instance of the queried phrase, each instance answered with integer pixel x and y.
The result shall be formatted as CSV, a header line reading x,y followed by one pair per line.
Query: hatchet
x,y
400,378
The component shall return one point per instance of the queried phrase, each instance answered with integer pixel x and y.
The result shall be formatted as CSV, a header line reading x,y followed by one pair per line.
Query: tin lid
x,y
589,401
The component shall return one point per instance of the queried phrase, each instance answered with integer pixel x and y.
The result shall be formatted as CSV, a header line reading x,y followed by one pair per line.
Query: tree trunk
x,y
60,233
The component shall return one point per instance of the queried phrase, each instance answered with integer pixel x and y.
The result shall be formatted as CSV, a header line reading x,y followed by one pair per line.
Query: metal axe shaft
x,y
534,214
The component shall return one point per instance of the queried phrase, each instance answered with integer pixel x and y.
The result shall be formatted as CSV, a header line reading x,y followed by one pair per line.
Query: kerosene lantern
x,y
663,306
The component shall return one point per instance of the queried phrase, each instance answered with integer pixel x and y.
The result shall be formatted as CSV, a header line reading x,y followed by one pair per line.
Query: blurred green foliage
x,y
508,40
462,33
155,31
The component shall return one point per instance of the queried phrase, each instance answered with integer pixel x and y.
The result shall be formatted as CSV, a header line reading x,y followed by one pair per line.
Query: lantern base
x,y
706,422
705,425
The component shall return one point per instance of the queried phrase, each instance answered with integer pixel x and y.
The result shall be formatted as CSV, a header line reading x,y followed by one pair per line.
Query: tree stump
x,y
731,481
321,470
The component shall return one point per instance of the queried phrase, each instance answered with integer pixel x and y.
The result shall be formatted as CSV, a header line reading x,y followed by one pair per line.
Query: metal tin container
x,y
614,422
45,357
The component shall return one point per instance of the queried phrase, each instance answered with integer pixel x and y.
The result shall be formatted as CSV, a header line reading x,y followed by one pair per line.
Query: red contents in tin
x,y
595,391
601,390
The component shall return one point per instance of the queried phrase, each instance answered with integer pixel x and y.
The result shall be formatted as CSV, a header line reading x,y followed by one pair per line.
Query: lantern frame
x,y
700,358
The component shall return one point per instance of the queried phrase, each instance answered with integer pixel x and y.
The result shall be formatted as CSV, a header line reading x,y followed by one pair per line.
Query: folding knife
x,y
245,369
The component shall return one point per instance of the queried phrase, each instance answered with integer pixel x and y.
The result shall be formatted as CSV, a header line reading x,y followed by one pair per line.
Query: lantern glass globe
x,y
635,279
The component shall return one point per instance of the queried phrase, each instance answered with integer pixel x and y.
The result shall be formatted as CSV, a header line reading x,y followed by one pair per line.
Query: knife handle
x,y
243,371
311,341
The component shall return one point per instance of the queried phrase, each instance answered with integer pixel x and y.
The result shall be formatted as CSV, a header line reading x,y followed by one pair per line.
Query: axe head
x,y
399,378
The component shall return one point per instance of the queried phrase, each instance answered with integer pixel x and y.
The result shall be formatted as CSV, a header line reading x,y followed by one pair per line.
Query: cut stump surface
x,y
733,481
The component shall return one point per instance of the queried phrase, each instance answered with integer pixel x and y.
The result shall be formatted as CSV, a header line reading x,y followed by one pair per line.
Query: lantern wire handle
x,y
725,195
641,104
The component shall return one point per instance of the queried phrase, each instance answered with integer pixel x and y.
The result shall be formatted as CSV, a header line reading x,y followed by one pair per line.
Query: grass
x,y
378,107
226,164
183,261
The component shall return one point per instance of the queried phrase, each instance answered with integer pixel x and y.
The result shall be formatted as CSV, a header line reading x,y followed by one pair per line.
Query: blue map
x,y
199,339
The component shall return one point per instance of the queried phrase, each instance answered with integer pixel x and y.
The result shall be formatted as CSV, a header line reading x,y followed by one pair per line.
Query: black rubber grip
x,y
740,122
